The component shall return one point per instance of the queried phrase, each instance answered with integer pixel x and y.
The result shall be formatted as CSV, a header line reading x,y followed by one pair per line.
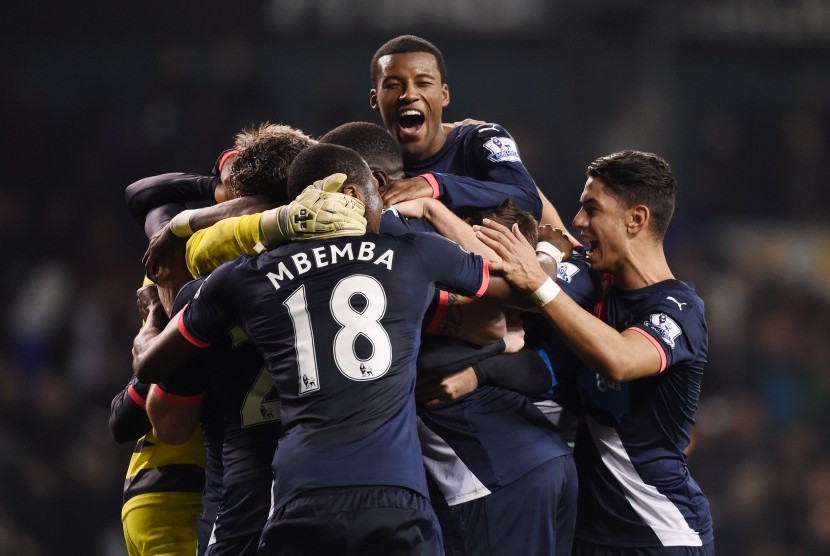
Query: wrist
x,y
549,249
180,224
270,229
545,293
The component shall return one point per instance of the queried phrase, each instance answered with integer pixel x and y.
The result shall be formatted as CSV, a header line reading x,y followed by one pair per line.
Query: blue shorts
x,y
533,515
377,520
582,548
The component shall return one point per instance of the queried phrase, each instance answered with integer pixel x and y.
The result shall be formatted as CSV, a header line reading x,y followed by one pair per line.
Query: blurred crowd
x,y
72,263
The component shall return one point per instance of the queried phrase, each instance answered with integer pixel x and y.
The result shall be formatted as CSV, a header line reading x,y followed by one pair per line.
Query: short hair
x,y
266,151
507,214
402,45
322,160
639,178
370,141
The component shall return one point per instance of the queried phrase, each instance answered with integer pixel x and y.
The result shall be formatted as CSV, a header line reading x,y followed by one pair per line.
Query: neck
x,y
644,265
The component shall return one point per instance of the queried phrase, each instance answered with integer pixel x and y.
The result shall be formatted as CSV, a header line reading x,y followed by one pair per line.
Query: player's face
x,y
410,97
601,222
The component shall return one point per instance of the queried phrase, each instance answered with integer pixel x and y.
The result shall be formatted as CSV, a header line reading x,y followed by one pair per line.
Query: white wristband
x,y
549,249
546,293
180,224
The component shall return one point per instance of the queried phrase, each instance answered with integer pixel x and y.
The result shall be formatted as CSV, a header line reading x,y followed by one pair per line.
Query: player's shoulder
x,y
480,130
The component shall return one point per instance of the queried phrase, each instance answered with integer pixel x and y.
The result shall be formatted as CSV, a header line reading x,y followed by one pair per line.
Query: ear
x,y
350,189
636,218
373,99
445,94
383,179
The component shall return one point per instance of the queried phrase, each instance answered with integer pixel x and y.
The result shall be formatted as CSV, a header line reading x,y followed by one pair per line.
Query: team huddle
x,y
385,341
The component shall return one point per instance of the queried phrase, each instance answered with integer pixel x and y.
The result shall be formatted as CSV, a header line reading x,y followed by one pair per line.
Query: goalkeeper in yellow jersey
x,y
257,167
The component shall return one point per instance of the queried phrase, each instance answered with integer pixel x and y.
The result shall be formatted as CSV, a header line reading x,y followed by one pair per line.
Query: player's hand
x,y
436,390
149,305
558,238
398,191
321,212
514,339
518,264
466,121
164,248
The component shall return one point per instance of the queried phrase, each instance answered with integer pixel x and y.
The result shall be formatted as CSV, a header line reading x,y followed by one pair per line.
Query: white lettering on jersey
x,y
319,257
284,274
502,149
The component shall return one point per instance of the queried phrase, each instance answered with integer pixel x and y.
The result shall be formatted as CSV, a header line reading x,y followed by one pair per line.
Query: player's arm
x,y
620,356
445,223
174,417
128,419
175,187
497,174
159,347
550,216
319,212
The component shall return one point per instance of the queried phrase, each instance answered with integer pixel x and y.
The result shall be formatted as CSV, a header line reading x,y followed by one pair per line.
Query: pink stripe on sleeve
x,y
656,344
186,333
175,398
436,189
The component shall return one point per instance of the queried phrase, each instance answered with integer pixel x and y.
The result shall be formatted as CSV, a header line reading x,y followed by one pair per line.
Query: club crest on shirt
x,y
666,328
502,149
566,271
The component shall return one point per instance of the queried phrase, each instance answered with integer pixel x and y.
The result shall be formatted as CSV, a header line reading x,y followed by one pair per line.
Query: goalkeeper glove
x,y
318,212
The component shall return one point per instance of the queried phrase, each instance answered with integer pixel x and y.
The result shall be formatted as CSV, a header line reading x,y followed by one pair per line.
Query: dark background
x,y
734,93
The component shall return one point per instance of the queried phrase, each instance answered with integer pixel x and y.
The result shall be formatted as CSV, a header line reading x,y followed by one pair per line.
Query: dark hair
x,y
639,178
322,160
402,45
263,161
371,141
507,214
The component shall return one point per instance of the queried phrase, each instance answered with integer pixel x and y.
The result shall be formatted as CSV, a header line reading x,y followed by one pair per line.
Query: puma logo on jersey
x,y
679,304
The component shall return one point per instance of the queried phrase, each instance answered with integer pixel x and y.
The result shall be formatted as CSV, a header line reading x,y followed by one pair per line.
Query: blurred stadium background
x,y
734,93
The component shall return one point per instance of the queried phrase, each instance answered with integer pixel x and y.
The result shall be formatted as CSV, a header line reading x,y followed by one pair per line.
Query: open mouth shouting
x,y
411,122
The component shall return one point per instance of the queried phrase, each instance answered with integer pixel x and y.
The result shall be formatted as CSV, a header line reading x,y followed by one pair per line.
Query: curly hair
x,y
266,151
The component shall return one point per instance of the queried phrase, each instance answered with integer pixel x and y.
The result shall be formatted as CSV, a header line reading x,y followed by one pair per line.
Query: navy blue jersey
x,y
339,325
634,486
240,416
575,278
477,168
484,441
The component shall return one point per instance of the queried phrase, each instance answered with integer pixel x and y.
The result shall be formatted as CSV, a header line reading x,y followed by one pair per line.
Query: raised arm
x,y
620,356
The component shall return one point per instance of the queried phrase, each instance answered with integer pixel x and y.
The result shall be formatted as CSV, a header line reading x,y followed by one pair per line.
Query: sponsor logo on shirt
x,y
566,272
502,149
665,327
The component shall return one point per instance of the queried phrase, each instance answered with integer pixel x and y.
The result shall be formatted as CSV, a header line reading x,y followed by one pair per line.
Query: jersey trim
x,y
654,508
656,344
440,312
433,183
176,398
136,397
485,280
227,154
457,483
187,334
